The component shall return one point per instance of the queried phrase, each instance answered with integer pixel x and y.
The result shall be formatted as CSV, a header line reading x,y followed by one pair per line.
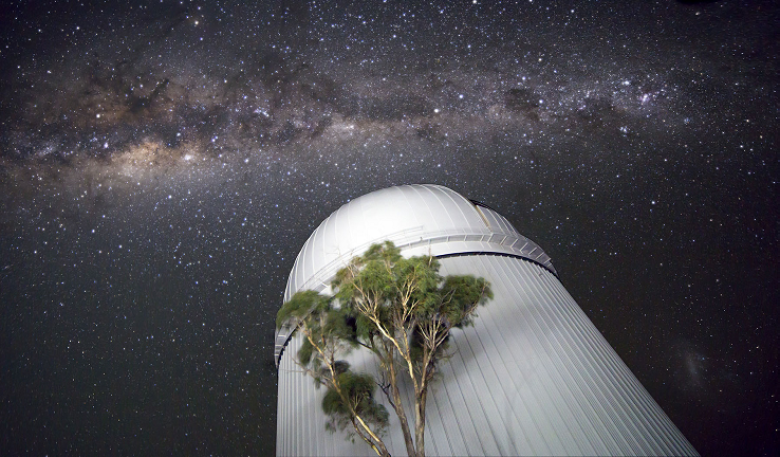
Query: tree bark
x,y
419,426
401,413
375,442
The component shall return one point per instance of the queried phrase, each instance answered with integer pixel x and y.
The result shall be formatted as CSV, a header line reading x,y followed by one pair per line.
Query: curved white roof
x,y
420,219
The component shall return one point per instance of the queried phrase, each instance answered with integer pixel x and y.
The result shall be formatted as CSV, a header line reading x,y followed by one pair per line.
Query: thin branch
x,y
330,362
386,389
364,437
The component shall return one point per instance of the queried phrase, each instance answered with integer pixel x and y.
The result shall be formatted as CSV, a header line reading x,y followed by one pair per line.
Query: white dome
x,y
518,382
420,219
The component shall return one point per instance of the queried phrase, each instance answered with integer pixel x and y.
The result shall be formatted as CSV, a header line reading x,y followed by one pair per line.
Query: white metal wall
x,y
533,376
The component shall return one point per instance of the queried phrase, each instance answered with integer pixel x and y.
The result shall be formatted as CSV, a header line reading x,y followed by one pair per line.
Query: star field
x,y
162,162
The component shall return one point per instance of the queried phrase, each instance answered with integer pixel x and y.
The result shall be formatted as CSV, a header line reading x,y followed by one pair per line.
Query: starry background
x,y
162,162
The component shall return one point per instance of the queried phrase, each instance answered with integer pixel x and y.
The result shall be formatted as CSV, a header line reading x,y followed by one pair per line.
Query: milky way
x,y
162,163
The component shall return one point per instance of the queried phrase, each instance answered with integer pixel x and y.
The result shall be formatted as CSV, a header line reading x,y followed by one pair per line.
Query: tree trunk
x,y
399,410
419,426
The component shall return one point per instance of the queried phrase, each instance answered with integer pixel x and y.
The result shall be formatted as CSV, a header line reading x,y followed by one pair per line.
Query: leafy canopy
x,y
400,309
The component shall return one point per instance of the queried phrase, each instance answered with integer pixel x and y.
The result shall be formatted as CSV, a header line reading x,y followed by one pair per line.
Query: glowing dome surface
x,y
420,219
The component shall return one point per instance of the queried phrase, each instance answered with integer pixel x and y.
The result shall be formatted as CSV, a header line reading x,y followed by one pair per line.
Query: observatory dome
x,y
517,382
419,219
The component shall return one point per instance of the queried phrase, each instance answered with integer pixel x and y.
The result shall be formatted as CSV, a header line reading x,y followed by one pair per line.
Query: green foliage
x,y
300,305
462,293
358,391
386,277
305,352
341,324
385,274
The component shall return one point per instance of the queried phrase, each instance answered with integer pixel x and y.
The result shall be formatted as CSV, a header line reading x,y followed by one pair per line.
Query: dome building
x,y
533,376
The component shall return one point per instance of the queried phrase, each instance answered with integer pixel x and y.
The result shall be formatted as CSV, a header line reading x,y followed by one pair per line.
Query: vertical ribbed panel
x,y
533,376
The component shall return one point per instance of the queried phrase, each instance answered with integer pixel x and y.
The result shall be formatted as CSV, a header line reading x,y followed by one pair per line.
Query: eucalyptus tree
x,y
402,311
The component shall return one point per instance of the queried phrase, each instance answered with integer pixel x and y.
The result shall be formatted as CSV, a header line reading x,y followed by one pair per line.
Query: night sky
x,y
162,162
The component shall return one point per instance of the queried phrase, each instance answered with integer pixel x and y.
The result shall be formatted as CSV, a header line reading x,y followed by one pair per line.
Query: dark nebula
x,y
162,162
